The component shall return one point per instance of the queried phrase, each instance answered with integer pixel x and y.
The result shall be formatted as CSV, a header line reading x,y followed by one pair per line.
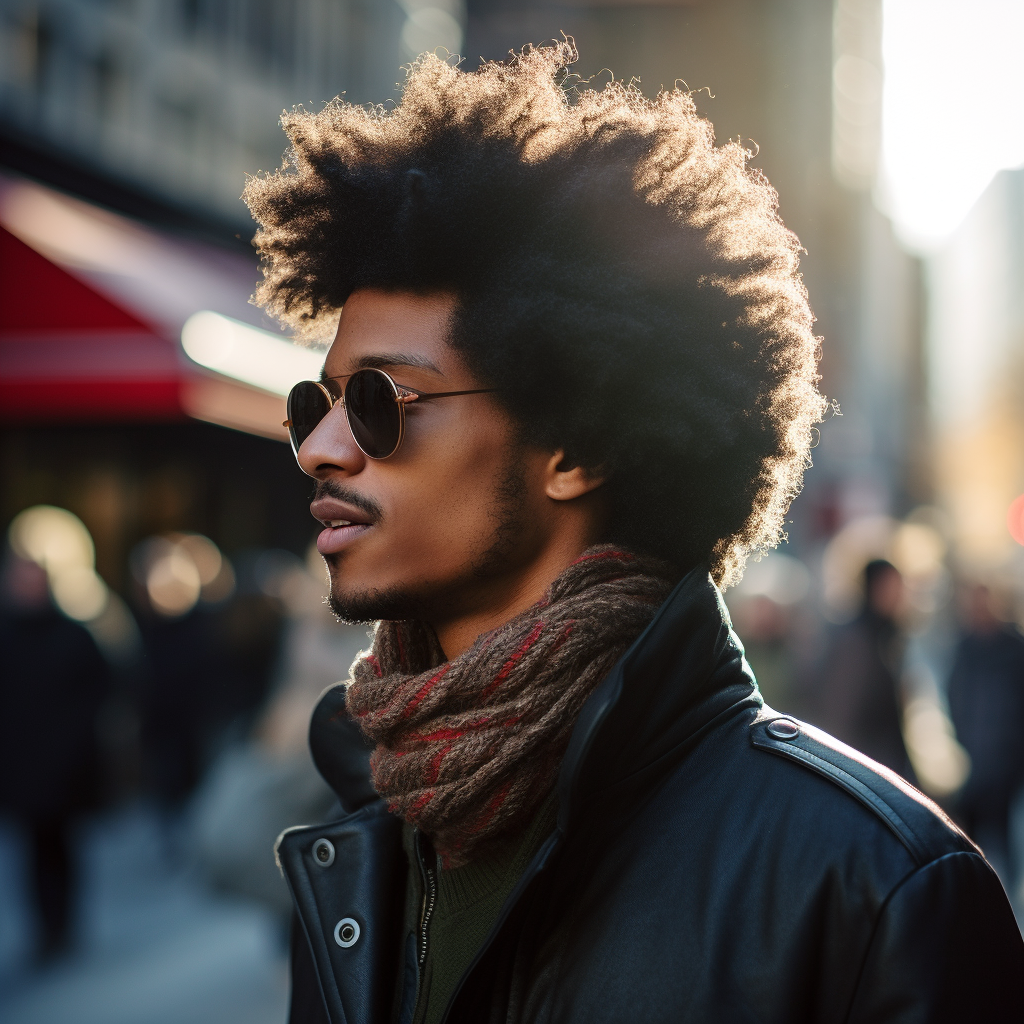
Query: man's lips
x,y
332,539
343,523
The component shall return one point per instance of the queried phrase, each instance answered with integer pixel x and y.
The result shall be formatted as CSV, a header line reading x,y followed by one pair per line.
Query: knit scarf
x,y
468,749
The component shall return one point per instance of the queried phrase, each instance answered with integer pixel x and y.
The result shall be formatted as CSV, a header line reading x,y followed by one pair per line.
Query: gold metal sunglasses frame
x,y
402,397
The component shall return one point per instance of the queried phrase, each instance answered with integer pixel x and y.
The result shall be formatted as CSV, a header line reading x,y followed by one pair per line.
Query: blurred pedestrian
x,y
986,702
53,682
258,787
183,662
858,698
209,665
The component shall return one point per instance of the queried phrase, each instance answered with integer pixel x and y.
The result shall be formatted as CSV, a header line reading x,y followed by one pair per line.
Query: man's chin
x,y
373,605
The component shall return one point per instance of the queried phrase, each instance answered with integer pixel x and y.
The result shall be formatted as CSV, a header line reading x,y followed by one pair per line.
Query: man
x,y
858,696
571,386
53,682
986,702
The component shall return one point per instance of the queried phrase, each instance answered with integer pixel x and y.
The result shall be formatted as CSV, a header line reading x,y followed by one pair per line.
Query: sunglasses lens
x,y
373,414
307,406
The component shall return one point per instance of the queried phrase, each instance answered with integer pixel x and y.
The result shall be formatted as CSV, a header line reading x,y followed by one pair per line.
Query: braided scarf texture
x,y
468,749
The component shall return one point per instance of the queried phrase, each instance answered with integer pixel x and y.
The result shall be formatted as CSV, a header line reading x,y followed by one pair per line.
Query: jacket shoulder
x,y
917,822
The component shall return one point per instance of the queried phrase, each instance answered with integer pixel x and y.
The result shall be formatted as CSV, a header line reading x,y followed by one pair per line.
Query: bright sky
x,y
953,108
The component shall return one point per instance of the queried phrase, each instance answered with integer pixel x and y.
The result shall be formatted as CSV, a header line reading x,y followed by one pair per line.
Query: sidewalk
x,y
155,946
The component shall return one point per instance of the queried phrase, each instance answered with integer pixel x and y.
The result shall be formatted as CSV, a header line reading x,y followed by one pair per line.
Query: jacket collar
x,y
680,675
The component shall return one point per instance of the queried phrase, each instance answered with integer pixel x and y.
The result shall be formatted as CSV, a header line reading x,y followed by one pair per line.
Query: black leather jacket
x,y
705,867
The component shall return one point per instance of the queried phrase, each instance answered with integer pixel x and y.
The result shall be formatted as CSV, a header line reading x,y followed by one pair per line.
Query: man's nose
x,y
331,447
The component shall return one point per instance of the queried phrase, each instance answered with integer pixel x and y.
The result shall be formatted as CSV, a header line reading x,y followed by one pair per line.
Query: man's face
x,y
886,593
440,524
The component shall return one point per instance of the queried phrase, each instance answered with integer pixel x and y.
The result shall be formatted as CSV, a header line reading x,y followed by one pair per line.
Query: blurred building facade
x,y
976,394
976,341
181,99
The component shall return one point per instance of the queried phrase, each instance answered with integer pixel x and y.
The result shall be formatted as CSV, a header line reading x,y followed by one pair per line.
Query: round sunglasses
x,y
374,405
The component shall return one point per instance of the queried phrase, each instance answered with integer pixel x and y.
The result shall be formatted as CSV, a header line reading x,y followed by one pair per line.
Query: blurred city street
x,y
152,945
164,635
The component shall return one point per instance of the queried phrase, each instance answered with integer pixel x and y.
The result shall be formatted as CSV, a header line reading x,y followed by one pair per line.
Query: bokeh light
x,y
781,578
79,593
177,570
941,764
58,541
1015,519
52,538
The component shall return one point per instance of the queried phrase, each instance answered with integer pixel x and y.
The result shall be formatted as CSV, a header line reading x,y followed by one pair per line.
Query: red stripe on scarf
x,y
421,801
435,764
562,637
492,808
511,663
425,689
448,734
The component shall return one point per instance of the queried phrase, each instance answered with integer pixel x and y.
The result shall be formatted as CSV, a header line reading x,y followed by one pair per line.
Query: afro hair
x,y
627,285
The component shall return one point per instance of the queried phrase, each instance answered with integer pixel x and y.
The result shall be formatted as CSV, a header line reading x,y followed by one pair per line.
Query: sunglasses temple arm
x,y
412,396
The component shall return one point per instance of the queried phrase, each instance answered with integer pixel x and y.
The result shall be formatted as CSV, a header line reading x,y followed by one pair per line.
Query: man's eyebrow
x,y
385,359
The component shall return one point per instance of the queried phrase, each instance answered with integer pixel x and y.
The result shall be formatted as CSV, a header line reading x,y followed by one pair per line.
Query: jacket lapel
x,y
348,883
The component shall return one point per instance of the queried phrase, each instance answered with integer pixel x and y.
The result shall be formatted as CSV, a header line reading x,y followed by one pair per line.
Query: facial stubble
x,y
507,514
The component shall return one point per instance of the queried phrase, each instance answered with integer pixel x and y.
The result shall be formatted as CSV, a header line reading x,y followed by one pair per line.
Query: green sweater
x,y
468,901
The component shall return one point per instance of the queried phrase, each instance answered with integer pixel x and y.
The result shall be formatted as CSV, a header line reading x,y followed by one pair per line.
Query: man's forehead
x,y
381,313
379,329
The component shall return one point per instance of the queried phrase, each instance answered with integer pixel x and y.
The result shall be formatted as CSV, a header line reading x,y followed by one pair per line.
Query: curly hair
x,y
626,284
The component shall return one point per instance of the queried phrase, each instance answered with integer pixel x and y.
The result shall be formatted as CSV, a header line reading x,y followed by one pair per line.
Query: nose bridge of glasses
x,y
334,389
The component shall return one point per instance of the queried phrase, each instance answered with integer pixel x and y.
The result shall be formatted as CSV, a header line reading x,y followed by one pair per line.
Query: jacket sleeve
x,y
946,948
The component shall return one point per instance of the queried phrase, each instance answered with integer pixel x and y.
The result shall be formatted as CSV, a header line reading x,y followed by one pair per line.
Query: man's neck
x,y
504,598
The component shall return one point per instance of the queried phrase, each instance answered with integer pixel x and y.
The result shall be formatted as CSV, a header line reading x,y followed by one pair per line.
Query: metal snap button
x,y
783,729
346,932
323,852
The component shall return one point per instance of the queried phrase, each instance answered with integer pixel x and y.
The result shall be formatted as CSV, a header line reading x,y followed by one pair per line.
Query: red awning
x,y
91,311
67,352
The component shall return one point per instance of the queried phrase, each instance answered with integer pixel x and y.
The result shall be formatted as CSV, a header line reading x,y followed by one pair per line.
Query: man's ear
x,y
564,481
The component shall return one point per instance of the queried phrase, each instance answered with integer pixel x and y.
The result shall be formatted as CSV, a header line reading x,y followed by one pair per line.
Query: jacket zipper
x,y
429,899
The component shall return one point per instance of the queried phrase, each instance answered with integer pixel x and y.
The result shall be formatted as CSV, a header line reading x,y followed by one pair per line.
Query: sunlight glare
x,y
953,109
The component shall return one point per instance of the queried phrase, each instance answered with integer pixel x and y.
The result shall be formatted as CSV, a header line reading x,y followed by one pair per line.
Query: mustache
x,y
332,489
